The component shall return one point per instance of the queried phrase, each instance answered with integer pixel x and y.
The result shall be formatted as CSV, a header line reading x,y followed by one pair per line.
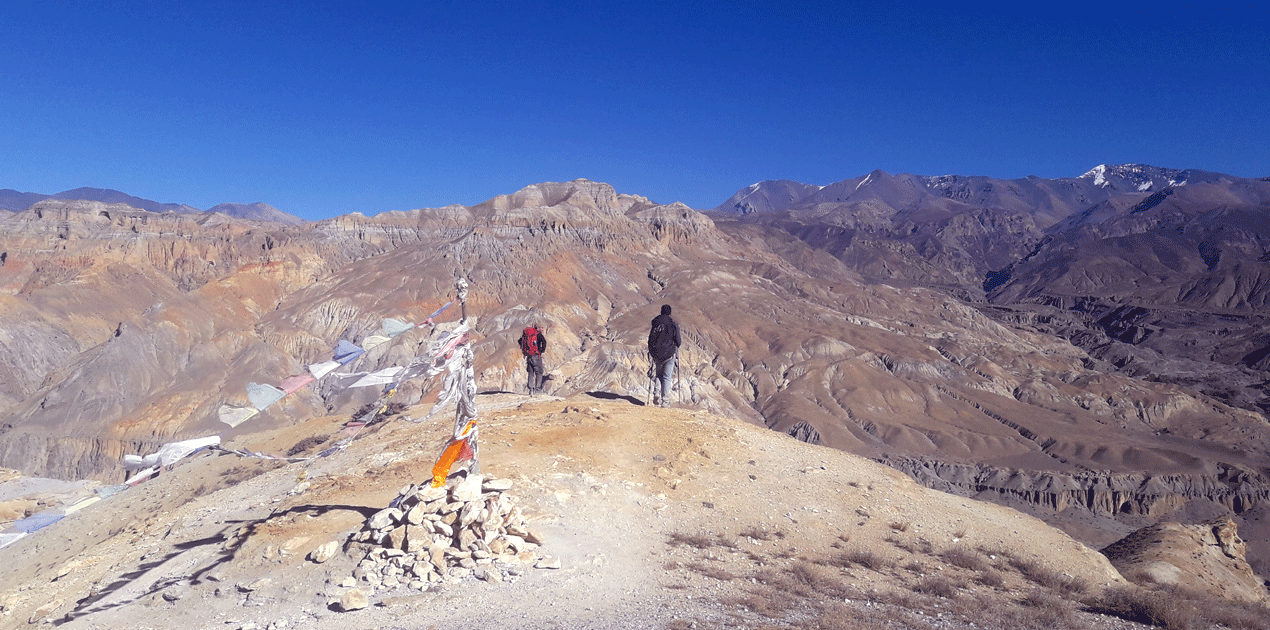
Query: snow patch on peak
x,y
1144,186
1099,174
867,178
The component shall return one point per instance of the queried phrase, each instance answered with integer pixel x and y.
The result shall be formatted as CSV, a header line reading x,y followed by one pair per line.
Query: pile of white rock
x,y
439,535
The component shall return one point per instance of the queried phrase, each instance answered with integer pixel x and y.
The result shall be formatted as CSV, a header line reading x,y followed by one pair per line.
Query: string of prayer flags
x,y
234,416
374,341
262,395
292,384
318,370
393,327
345,352
428,321
382,377
170,453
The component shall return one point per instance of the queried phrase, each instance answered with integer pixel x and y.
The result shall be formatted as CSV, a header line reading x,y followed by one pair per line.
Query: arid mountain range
x,y
1090,350
14,201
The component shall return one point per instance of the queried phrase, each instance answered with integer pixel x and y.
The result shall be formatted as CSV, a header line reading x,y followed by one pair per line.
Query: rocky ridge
x,y
1207,557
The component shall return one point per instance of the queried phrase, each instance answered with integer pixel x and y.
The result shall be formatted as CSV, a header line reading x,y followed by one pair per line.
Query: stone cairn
x,y
446,535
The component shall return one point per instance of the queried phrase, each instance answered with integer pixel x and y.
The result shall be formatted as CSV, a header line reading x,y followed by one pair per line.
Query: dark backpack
x,y
529,341
661,339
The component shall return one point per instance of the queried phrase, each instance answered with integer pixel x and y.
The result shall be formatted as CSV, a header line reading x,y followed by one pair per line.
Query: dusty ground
x,y
661,518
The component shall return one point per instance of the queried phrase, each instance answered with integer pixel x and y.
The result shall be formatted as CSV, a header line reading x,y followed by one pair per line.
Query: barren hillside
x,y
659,518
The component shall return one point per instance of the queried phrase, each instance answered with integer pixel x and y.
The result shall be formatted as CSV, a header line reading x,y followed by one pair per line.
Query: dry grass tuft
x,y
939,586
990,578
1177,609
699,541
712,571
860,557
242,472
1050,608
1042,575
307,443
1152,607
966,558
920,545
761,534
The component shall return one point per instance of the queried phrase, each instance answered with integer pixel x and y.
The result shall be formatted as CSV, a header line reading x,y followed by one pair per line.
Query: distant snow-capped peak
x,y
1139,177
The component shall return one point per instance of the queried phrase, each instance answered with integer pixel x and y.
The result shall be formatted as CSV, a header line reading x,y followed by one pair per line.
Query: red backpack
x,y
529,341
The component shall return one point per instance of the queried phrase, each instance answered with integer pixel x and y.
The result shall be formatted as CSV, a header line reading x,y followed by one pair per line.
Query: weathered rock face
x,y
1105,494
1206,557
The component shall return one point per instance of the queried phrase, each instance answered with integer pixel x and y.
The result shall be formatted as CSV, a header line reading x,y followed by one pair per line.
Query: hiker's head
x,y
665,309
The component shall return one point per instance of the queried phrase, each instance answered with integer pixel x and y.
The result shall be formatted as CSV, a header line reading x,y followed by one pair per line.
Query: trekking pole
x,y
649,399
679,379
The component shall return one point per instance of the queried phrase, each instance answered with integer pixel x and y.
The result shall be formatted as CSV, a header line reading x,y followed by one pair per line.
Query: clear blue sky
x,y
322,108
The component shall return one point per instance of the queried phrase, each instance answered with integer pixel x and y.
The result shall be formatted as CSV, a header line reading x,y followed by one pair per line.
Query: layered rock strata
x,y
1101,493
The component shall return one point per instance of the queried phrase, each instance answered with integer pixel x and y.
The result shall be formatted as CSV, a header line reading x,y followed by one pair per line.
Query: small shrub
x,y
787,553
900,526
761,534
1238,615
937,585
900,543
1178,609
990,578
306,444
696,541
920,545
712,571
1042,575
1052,608
965,558
240,473
389,410
769,603
862,557
820,581
1074,585
1156,608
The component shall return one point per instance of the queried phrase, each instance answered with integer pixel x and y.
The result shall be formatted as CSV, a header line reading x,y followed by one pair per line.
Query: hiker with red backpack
x,y
532,344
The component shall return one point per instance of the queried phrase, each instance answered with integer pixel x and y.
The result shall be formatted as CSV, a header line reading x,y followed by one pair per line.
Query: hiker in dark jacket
x,y
663,347
532,344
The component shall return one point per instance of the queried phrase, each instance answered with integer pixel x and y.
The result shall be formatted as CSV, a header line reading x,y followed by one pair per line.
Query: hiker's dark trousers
x,y
533,365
